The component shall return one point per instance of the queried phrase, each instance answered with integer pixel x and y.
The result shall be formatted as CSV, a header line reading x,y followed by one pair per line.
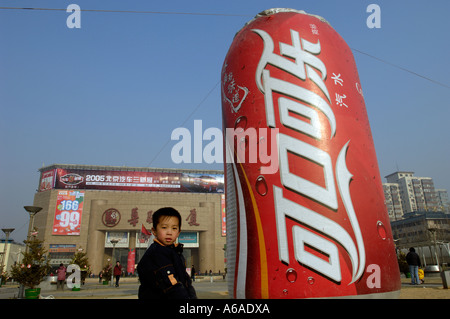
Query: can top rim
x,y
271,11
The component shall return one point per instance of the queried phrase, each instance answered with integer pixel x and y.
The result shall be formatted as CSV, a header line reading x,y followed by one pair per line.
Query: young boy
x,y
162,269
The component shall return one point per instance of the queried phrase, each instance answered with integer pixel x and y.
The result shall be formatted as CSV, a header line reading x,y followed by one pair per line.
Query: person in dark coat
x,y
162,269
413,260
193,273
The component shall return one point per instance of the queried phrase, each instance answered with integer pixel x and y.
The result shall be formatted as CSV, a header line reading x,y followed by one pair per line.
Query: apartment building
x,y
406,193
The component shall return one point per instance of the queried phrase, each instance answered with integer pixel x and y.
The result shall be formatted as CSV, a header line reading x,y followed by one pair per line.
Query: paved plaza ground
x,y
206,289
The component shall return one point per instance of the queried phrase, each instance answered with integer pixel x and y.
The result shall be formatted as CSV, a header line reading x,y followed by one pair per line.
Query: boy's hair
x,y
166,212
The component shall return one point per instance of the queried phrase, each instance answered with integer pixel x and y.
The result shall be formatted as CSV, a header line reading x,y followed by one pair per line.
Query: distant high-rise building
x,y
414,194
393,201
443,201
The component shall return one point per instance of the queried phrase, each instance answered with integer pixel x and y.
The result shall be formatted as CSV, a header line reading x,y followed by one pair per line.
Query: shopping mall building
x,y
91,207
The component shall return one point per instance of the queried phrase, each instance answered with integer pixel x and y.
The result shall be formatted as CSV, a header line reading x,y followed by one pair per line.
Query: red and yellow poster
x,y
69,208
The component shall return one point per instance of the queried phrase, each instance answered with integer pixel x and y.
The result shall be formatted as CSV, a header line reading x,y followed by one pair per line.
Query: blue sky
x,y
111,92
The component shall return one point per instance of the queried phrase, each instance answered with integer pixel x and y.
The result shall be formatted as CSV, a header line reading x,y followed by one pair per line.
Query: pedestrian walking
x,y
117,272
193,273
61,271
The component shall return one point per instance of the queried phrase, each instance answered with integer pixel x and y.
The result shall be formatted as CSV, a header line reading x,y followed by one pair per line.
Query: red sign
x,y
317,226
134,217
223,215
111,217
131,261
69,208
47,180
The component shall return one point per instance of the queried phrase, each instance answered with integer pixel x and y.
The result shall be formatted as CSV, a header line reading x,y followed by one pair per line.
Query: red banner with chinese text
x,y
131,261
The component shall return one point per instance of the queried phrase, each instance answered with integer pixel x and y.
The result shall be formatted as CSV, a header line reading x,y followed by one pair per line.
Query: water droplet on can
x,y
262,141
240,124
381,230
261,186
311,280
285,292
242,143
291,275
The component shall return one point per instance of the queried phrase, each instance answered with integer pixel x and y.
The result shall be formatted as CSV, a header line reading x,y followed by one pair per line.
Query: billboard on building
x,y
69,209
66,178
189,239
122,239
47,180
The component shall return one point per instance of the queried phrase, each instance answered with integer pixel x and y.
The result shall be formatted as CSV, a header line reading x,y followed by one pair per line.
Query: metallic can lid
x,y
271,11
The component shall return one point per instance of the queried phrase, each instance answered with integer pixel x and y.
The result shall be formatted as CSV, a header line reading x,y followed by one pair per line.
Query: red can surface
x,y
305,207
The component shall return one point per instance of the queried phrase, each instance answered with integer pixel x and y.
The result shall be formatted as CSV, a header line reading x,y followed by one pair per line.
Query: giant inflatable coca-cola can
x,y
305,207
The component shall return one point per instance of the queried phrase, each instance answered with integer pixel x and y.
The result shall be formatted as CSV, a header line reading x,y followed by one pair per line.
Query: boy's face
x,y
167,230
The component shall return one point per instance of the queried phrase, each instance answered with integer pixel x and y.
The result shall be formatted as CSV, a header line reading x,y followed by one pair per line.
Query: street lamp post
x,y
32,210
444,276
7,231
113,242
433,233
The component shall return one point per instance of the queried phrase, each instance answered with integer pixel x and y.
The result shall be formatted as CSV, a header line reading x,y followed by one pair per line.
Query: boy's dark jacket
x,y
162,274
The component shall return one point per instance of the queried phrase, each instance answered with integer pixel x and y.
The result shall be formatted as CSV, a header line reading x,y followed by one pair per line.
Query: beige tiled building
x,y
84,207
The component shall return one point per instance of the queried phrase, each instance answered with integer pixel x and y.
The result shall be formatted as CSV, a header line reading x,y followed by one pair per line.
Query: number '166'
x,y
69,205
